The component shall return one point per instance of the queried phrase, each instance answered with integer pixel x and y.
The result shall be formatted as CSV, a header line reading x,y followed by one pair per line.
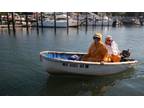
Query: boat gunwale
x,y
82,62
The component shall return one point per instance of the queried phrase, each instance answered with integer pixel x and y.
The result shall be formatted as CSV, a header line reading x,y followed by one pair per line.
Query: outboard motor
x,y
125,54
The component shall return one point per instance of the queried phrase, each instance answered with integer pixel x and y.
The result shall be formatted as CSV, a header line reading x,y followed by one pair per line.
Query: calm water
x,y
21,72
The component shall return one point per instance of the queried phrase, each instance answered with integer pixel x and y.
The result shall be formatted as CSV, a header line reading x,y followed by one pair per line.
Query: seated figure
x,y
113,51
97,51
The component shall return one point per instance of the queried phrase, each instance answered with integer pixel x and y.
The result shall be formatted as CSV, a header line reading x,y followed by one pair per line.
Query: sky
x,y
72,5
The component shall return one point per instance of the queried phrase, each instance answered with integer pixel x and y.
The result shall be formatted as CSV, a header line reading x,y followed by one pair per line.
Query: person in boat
x,y
113,51
97,50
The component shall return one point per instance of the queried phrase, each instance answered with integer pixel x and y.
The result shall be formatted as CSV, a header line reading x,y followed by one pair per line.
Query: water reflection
x,y
56,31
77,30
69,85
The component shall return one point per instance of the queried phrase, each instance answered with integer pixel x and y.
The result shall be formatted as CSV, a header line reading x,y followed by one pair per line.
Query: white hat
x,y
109,36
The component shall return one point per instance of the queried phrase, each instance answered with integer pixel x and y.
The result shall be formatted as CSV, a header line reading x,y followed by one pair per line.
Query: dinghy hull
x,y
58,65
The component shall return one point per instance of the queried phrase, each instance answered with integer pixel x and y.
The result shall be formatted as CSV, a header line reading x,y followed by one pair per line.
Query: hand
x,y
102,62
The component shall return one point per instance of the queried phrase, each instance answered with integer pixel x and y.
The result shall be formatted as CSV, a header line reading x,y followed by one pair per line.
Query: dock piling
x,y
8,23
13,22
37,20
108,21
0,19
67,23
86,19
78,19
26,18
37,25
55,21
141,21
67,20
95,21
102,19
41,20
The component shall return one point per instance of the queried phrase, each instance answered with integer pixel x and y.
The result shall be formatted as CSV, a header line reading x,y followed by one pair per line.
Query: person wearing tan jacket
x,y
97,51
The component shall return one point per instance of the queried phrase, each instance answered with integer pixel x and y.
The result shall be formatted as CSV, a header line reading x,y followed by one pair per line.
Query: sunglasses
x,y
108,40
95,38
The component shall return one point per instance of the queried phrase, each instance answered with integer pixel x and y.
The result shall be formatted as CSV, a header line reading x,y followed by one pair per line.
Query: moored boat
x,y
61,22
60,62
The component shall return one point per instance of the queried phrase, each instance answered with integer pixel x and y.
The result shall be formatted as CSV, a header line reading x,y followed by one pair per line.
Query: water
x,y
21,72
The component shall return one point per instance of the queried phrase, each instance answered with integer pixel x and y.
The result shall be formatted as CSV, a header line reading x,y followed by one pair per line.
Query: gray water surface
x,y
21,72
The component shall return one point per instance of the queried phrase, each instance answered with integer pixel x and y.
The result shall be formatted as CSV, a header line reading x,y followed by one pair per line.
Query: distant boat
x,y
61,21
131,21
59,62
98,21
23,23
104,22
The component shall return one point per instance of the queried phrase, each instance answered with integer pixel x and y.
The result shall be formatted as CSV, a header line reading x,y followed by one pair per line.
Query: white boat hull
x,y
104,23
58,66
62,23
99,23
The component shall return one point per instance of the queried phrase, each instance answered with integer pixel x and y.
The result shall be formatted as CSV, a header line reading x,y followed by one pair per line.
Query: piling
x,y
95,21
102,20
41,19
41,22
77,19
141,21
67,23
108,20
26,19
8,23
55,21
77,23
86,19
13,22
37,21
67,20
0,19
114,23
20,20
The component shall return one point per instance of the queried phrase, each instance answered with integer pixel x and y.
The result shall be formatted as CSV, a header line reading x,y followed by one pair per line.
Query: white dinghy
x,y
60,62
